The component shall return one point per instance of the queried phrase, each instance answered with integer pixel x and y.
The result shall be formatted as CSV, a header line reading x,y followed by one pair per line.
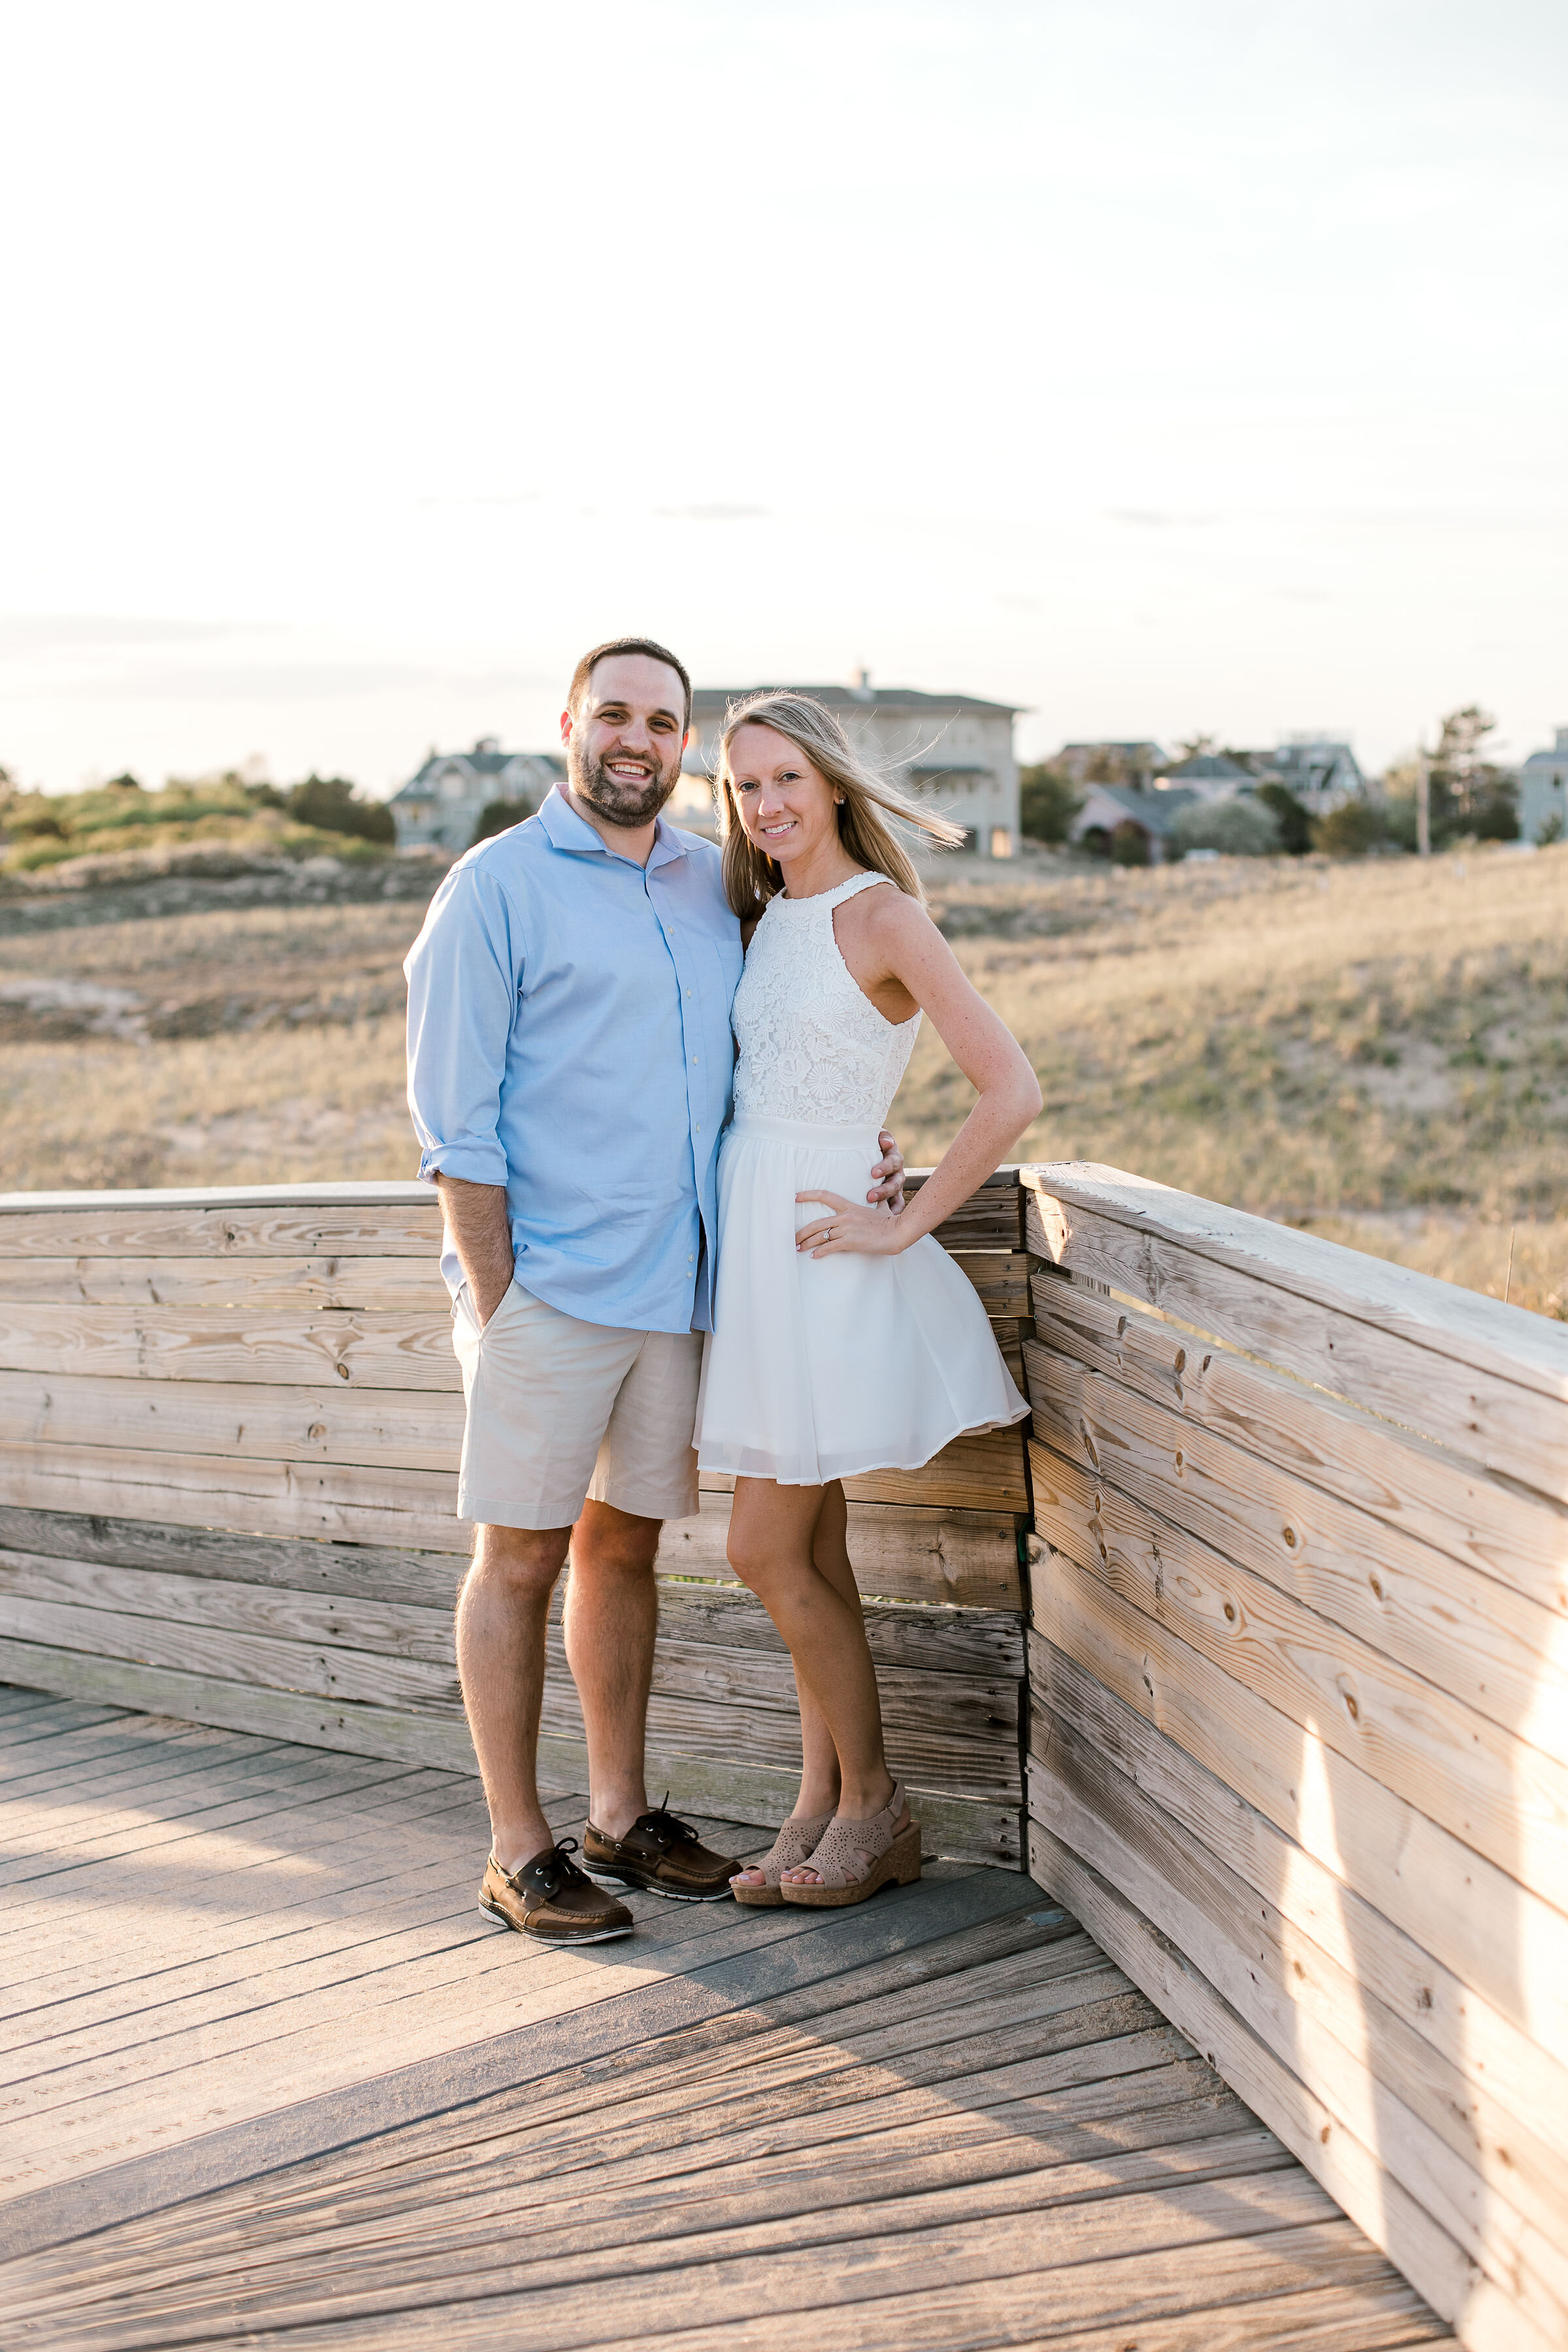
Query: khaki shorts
x,y
561,1411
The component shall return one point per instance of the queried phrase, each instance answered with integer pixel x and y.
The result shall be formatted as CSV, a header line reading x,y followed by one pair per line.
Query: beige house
x,y
954,749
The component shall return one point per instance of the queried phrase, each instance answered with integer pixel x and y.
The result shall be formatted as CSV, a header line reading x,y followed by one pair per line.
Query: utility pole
x,y
1423,810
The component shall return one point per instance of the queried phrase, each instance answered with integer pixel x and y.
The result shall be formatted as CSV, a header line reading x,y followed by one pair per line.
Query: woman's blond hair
x,y
870,797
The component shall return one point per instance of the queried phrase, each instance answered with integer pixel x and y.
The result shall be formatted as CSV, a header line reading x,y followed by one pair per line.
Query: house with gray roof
x,y
439,806
955,750
1108,807
1208,776
1323,774
1543,793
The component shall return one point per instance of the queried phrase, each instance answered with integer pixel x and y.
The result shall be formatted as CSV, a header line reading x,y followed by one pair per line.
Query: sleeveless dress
x,y
823,1367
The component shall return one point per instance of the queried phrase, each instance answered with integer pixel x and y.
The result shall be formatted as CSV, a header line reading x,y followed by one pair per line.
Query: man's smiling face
x,y
624,742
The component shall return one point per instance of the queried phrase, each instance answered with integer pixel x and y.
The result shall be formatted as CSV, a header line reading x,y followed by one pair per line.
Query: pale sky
x,y
1157,364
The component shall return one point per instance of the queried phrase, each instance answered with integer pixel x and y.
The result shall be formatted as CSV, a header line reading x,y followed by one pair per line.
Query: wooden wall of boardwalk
x,y
1288,1553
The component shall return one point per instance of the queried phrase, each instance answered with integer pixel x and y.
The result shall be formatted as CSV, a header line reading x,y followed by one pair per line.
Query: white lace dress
x,y
822,1368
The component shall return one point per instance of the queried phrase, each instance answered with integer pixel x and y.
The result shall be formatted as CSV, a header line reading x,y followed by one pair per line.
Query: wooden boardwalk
x,y
270,2081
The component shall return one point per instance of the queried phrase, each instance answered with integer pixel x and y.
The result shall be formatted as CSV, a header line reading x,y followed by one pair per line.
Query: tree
x,y
1047,802
333,805
500,816
1295,823
1237,828
1468,793
1196,747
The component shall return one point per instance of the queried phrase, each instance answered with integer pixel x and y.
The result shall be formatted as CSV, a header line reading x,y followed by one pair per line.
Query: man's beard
x,y
615,798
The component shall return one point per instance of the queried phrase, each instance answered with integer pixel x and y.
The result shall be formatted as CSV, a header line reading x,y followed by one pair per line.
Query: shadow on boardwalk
x,y
270,2081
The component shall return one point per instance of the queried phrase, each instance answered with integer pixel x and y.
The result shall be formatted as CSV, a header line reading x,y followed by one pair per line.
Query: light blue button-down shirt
x,y
569,1037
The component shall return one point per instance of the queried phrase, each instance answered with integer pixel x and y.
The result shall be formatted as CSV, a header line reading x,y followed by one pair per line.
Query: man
x,y
569,1070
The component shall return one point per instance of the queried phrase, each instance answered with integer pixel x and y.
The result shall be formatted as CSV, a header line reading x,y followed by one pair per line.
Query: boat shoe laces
x,y
665,1829
554,1871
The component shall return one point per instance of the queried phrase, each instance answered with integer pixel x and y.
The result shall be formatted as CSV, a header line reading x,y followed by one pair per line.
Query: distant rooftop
x,y
713,701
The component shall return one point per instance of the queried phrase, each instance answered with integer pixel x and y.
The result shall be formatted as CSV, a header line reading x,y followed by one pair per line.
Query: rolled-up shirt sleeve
x,y
464,971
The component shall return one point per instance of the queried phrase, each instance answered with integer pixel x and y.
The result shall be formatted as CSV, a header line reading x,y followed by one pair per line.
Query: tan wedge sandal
x,y
857,1857
793,1844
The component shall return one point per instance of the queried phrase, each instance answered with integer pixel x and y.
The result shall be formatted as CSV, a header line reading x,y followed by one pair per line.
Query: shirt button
x,y
694,1061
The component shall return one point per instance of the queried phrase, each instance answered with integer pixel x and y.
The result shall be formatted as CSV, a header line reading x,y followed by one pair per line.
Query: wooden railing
x,y
1297,1719
1298,1743
229,1428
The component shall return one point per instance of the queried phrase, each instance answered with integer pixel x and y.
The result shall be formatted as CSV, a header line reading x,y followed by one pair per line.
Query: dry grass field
x,y
1378,1050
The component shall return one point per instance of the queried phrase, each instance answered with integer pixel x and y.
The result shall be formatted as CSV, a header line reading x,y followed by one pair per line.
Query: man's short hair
x,y
585,670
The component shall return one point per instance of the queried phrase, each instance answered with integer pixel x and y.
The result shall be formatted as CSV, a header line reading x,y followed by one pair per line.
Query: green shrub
x,y
1129,845
1350,830
1237,828
332,804
500,816
1047,802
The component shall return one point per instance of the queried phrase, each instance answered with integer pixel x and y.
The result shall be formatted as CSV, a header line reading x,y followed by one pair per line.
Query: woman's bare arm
x,y
895,947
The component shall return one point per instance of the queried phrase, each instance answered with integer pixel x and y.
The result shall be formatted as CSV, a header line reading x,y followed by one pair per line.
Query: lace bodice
x,y
811,1044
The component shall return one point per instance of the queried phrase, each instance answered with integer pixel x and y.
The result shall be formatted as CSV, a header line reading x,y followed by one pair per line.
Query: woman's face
x,y
786,805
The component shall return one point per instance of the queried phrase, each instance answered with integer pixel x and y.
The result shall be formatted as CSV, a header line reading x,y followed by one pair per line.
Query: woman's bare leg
x,y
819,1787
788,1544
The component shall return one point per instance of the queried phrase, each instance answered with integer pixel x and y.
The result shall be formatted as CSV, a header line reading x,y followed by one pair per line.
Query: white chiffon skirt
x,y
823,1367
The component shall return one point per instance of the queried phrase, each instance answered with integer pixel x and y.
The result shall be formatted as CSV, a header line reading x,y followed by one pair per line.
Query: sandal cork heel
x,y
856,1858
792,1845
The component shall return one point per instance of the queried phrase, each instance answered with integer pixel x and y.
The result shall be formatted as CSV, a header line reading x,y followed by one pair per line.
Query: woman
x,y
846,1339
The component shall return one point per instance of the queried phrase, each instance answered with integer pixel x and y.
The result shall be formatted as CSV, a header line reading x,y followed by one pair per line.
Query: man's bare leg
x,y
611,1622
502,1613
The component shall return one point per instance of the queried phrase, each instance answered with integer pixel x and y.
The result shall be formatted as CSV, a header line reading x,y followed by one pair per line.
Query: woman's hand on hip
x,y
850,1230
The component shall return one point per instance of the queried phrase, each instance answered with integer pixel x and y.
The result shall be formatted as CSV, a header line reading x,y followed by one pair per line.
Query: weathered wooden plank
x,y
1504,1797
388,1507
416,1429
376,1284
1503,2068
1234,2300
351,1285
1490,1931
1471,1331
992,1218
1371,2071
1393,1349
266,1346
955,1559
279,1219
1515,1540
1001,1277
1487,2321
372,1571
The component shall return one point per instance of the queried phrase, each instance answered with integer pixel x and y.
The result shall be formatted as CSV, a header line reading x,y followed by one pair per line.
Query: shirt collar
x,y
569,831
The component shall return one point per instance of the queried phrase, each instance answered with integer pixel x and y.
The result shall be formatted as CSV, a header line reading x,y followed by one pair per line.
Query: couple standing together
x,y
649,1079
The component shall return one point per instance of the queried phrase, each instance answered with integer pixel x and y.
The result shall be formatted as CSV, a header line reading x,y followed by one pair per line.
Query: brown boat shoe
x,y
661,1856
551,1900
